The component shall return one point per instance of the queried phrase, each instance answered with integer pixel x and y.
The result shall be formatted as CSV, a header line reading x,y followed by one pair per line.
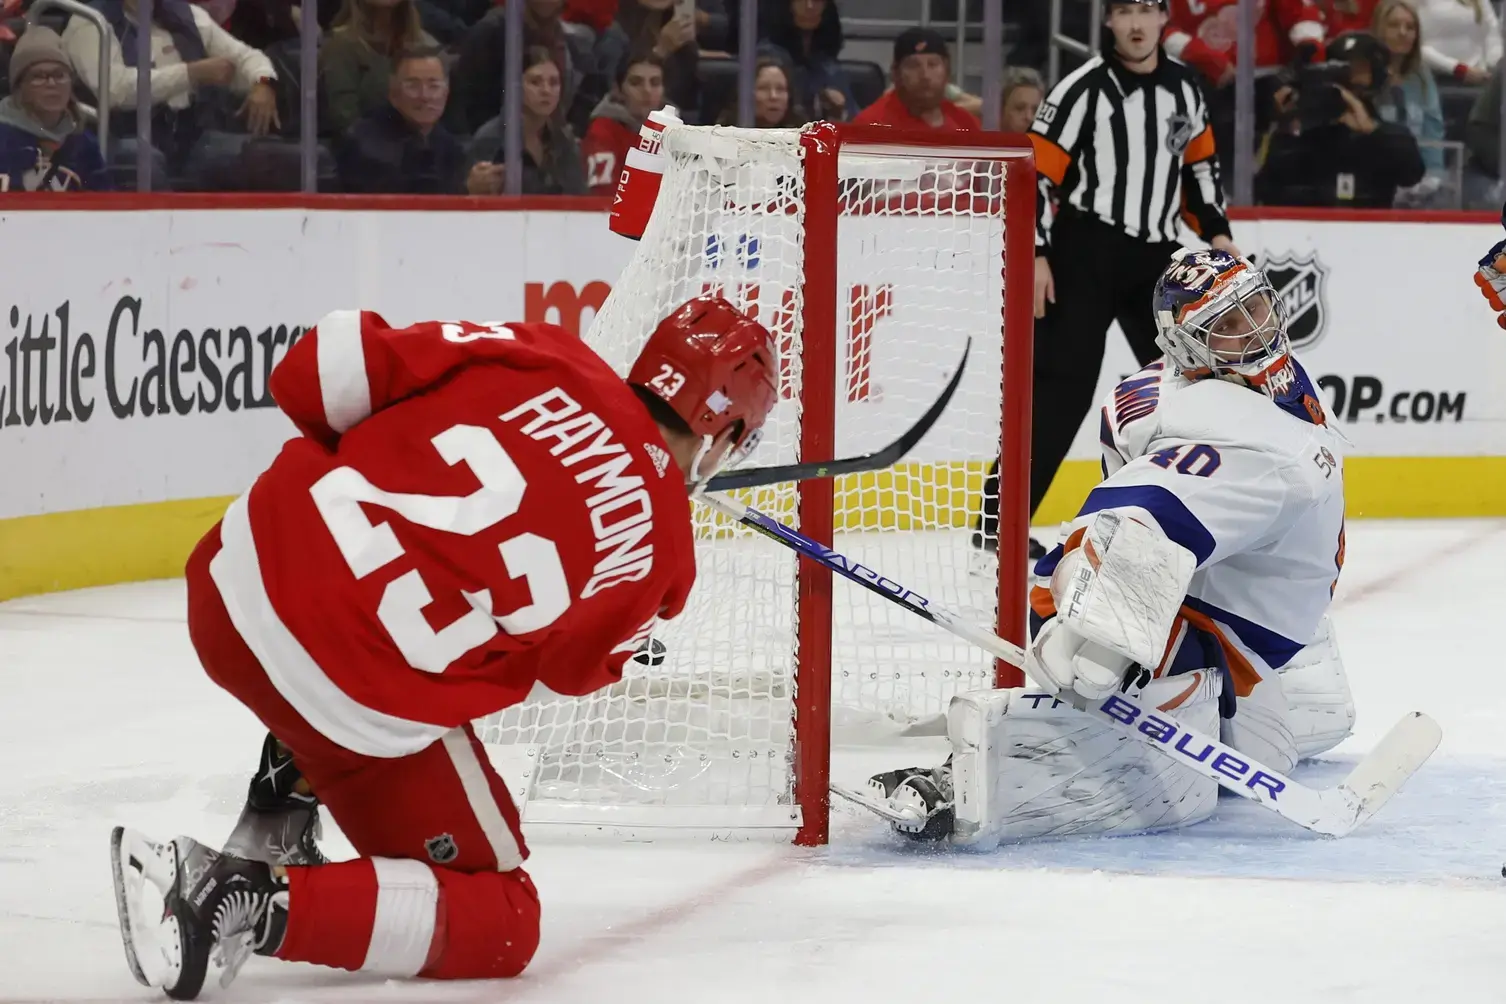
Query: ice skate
x,y
921,798
213,904
279,824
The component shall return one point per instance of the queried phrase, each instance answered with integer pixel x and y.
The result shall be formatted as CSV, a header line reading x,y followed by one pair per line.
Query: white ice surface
x,y
105,718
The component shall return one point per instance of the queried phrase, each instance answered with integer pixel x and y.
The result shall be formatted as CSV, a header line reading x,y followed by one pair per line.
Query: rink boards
x,y
133,386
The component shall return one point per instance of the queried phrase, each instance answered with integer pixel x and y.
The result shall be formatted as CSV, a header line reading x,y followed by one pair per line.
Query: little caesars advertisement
x,y
135,348
135,365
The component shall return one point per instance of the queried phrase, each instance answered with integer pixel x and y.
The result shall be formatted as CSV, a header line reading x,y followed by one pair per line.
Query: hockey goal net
x,y
872,255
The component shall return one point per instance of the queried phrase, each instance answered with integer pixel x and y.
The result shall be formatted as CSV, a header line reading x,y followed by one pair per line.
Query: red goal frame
x,y
822,145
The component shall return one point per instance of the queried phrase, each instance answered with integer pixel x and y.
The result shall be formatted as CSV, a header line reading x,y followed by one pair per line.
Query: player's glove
x,y
1491,278
1064,660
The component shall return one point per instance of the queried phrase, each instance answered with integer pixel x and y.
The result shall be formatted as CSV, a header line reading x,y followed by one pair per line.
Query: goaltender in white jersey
x,y
1198,574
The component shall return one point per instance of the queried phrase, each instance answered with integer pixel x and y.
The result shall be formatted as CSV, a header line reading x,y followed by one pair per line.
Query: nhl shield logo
x,y
1178,133
1299,281
442,849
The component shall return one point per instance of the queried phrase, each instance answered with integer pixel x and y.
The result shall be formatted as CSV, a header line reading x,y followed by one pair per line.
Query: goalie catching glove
x,y
1117,590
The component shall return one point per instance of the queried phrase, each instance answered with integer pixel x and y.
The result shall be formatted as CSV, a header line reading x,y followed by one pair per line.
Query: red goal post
x,y
825,203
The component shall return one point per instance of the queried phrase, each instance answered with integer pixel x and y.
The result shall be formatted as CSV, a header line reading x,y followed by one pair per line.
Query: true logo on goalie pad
x,y
1221,758
442,849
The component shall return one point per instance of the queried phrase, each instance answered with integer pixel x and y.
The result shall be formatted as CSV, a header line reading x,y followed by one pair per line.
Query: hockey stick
x,y
1333,811
752,477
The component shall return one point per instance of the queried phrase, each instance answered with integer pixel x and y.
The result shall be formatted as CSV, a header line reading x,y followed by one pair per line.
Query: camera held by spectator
x,y
1316,89
1328,146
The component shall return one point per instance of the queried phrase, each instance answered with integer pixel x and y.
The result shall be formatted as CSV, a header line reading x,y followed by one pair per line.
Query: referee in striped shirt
x,y
1125,156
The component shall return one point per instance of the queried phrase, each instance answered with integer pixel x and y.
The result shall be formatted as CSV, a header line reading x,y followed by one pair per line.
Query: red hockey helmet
x,y
713,365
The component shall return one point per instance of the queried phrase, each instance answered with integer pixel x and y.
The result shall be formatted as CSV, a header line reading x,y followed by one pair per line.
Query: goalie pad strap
x,y
1124,586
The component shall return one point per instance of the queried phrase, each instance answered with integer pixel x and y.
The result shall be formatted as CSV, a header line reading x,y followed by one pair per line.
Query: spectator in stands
x,y
652,25
259,23
1409,95
1020,97
616,121
43,146
202,81
1340,16
480,69
1329,146
1464,38
920,72
1202,35
773,103
402,147
551,156
1482,132
596,15
586,23
807,35
1482,138
355,61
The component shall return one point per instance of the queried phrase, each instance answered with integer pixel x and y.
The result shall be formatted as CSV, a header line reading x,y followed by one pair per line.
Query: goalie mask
x,y
714,367
1218,315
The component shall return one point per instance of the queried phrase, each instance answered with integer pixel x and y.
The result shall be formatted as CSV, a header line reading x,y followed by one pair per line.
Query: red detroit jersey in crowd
x,y
472,508
891,111
604,149
1202,33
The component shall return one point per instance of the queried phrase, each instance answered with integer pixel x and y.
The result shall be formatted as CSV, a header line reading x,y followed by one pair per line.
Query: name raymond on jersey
x,y
52,372
621,510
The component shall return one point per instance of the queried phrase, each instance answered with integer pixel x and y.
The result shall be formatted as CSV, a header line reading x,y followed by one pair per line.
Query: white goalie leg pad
x,y
1025,765
1123,586
1261,727
1319,705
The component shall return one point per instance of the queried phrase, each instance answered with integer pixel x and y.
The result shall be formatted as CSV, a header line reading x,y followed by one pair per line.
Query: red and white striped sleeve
x,y
324,382
352,364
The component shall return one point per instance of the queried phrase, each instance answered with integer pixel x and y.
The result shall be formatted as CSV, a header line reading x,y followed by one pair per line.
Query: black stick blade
x,y
752,477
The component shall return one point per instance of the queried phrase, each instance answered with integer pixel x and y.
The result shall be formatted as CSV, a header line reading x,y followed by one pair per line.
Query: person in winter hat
x,y
43,146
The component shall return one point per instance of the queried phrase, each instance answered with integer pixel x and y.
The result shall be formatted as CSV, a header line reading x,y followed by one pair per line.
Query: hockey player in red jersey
x,y
1201,33
470,511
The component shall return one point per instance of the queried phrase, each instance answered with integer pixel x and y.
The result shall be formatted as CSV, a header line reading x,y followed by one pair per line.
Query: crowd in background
x,y
409,92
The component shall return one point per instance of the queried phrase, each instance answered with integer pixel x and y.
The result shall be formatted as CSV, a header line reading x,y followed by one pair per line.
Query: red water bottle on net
x,y
642,174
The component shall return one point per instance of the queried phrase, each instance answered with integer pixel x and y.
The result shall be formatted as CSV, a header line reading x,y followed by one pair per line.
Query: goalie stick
x,y
753,477
1332,811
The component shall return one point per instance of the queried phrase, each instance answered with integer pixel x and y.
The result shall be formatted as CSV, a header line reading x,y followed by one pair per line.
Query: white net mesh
x,y
704,734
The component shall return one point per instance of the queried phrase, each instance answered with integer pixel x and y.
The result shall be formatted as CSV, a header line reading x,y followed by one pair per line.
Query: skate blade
x,y
135,861
874,801
128,889
230,954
